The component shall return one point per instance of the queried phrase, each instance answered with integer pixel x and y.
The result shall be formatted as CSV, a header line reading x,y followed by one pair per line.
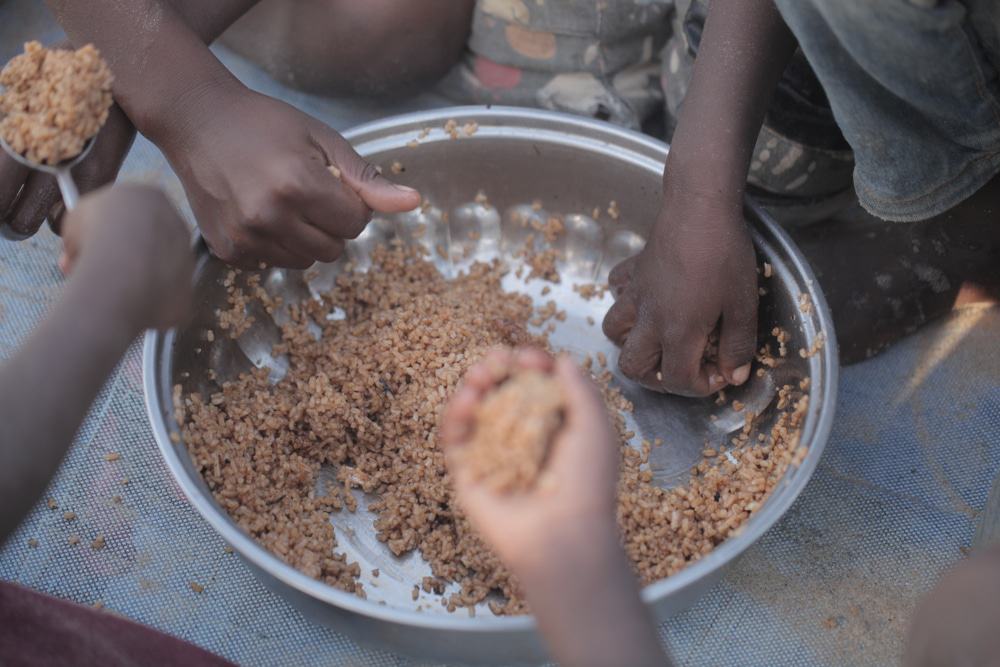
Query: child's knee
x,y
340,47
411,45
956,622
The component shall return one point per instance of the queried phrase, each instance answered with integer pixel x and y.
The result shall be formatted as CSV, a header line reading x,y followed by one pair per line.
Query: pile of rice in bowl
x,y
363,398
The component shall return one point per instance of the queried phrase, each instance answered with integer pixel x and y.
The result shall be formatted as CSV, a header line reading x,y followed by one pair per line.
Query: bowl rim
x,y
817,425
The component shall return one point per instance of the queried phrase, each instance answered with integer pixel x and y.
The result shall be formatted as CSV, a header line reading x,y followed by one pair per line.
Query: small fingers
x,y
254,250
491,369
641,353
585,452
584,406
306,241
284,258
620,319
456,423
495,366
376,191
738,339
12,178
621,275
333,207
32,207
682,369
532,358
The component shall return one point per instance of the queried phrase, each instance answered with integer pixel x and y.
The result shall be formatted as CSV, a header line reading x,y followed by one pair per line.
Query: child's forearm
x,y
589,607
156,50
744,50
48,386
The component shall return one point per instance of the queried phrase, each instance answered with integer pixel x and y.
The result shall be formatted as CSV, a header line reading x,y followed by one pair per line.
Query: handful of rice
x,y
514,429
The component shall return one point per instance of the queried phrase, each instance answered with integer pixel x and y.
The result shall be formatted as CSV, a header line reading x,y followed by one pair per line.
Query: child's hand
x,y
130,238
257,173
697,272
573,504
28,197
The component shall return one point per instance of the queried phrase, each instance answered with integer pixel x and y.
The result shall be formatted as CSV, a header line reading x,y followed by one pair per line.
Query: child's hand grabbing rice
x,y
571,502
554,527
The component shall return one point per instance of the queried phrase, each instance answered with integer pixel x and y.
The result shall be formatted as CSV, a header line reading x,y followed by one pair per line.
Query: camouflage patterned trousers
x,y
629,62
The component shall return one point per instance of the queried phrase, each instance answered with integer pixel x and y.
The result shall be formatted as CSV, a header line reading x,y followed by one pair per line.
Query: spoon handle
x,y
67,187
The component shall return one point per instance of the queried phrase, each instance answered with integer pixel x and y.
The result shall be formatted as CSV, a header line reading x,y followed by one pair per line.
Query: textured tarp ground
x,y
892,504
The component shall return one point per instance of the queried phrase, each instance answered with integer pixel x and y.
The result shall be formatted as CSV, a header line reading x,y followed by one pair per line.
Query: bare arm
x,y
157,50
696,273
26,198
266,182
588,604
47,388
131,261
744,51
561,539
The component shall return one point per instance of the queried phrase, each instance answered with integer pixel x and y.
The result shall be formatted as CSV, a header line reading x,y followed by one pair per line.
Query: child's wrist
x,y
172,120
115,289
582,549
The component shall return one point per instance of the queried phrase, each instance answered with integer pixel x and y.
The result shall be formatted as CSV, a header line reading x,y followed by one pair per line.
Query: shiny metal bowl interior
x,y
515,157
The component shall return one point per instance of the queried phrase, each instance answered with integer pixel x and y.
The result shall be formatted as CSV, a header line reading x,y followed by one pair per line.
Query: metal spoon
x,y
64,177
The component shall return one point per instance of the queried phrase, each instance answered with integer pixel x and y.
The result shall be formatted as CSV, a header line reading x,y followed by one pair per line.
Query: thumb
x,y
374,189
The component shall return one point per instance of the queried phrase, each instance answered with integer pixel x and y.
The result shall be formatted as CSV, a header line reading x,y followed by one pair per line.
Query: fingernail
x,y
741,374
403,188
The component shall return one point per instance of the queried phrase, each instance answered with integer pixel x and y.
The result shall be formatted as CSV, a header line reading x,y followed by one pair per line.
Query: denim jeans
x,y
913,87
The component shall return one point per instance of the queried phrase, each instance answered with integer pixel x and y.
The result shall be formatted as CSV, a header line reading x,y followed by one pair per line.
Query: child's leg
x,y
913,87
346,47
956,623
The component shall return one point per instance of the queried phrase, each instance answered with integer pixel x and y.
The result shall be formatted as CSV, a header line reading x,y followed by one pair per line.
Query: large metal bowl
x,y
516,156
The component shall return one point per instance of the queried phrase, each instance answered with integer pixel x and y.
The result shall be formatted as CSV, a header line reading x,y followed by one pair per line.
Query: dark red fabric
x,y
39,630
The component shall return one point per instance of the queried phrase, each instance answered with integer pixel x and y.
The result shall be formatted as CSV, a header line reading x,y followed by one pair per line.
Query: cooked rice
x,y
365,398
53,101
